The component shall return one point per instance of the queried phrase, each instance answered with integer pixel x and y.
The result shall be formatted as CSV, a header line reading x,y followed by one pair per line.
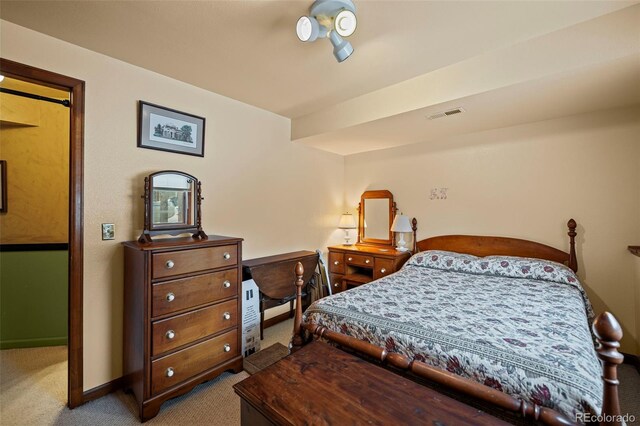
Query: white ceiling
x,y
247,50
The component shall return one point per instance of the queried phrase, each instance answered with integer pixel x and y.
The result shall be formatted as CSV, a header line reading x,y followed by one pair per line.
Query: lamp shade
x,y
347,221
401,224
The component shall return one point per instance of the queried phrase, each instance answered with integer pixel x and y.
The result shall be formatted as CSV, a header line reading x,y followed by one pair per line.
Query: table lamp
x,y
401,225
347,222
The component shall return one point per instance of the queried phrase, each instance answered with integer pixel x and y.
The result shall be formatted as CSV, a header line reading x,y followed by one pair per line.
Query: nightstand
x,y
351,266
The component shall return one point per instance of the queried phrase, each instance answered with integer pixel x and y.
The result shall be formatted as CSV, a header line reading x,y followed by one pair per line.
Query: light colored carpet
x,y
33,391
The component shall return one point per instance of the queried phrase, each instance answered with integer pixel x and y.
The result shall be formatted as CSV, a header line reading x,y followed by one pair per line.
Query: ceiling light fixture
x,y
333,19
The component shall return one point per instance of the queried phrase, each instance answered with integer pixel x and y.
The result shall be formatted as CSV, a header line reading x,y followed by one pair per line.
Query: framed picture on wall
x,y
169,130
3,186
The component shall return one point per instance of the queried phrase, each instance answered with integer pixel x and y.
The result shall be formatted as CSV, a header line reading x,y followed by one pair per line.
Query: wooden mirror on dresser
x,y
376,212
172,202
374,255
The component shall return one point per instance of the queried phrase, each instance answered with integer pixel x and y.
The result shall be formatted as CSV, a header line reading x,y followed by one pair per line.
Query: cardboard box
x,y
250,318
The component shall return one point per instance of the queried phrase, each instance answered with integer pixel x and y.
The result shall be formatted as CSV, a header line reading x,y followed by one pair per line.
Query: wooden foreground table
x,y
322,385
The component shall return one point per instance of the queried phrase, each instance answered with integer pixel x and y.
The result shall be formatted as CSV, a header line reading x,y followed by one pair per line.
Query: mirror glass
x,y
376,213
172,200
374,222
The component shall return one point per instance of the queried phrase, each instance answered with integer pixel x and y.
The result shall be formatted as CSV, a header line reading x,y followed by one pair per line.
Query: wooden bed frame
x,y
606,329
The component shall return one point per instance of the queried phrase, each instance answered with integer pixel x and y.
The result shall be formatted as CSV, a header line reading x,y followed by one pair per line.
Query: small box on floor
x,y
250,318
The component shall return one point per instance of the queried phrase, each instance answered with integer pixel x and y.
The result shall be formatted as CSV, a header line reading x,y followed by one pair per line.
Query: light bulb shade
x,y
307,28
341,49
345,23
401,224
347,221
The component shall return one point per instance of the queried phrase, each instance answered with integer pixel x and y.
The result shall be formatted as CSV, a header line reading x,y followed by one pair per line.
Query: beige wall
x,y
34,140
526,182
256,183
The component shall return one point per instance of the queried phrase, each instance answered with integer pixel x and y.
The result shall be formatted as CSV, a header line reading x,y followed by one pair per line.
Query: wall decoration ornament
x,y
166,129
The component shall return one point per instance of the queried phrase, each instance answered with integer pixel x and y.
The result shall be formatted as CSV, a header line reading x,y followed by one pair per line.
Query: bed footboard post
x,y
573,261
297,341
414,227
608,334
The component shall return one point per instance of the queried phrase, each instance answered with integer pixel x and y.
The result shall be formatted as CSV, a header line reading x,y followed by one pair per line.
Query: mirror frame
x,y
370,195
170,229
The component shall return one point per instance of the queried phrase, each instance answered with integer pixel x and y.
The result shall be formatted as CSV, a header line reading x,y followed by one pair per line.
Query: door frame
x,y
76,89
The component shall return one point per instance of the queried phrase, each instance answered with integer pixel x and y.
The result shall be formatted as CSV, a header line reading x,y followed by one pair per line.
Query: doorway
x,y
75,88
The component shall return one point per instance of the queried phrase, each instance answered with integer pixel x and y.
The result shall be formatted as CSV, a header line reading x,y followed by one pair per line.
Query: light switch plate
x,y
108,231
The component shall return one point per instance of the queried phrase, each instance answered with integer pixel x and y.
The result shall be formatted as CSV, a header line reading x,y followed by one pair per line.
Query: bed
x,y
503,320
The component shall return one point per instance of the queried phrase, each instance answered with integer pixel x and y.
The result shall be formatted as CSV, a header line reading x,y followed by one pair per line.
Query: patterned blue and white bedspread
x,y
518,325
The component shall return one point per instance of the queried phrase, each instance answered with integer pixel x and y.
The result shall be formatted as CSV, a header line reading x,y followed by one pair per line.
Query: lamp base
x,y
347,238
402,244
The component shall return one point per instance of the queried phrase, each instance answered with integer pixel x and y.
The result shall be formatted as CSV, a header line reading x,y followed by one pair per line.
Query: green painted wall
x,y
33,298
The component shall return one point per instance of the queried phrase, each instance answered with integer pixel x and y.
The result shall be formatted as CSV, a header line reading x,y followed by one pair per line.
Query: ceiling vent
x,y
446,113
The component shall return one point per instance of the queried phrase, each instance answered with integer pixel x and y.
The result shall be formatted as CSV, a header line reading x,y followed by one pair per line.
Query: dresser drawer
x,y
175,368
176,295
180,330
359,260
336,283
336,262
187,261
383,267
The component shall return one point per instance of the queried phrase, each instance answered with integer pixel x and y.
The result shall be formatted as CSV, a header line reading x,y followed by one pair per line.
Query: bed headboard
x,y
487,246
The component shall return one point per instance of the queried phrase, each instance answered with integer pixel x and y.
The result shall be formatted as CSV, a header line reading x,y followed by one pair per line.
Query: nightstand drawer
x,y
177,295
172,263
336,262
383,267
177,331
337,284
359,260
182,365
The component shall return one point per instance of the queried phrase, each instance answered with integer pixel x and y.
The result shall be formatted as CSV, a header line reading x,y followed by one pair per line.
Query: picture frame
x,y
3,186
166,129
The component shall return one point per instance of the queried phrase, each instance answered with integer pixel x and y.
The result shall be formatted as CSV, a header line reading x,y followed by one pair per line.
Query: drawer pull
x,y
336,284
226,316
367,261
170,297
170,372
227,347
382,271
350,259
336,262
169,264
170,334
226,284
226,256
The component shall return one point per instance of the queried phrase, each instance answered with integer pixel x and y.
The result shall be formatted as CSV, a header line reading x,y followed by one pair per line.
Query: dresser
x,y
351,266
181,316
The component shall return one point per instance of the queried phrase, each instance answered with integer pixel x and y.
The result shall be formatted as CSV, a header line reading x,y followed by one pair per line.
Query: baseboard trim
x,y
632,360
275,320
102,390
33,343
